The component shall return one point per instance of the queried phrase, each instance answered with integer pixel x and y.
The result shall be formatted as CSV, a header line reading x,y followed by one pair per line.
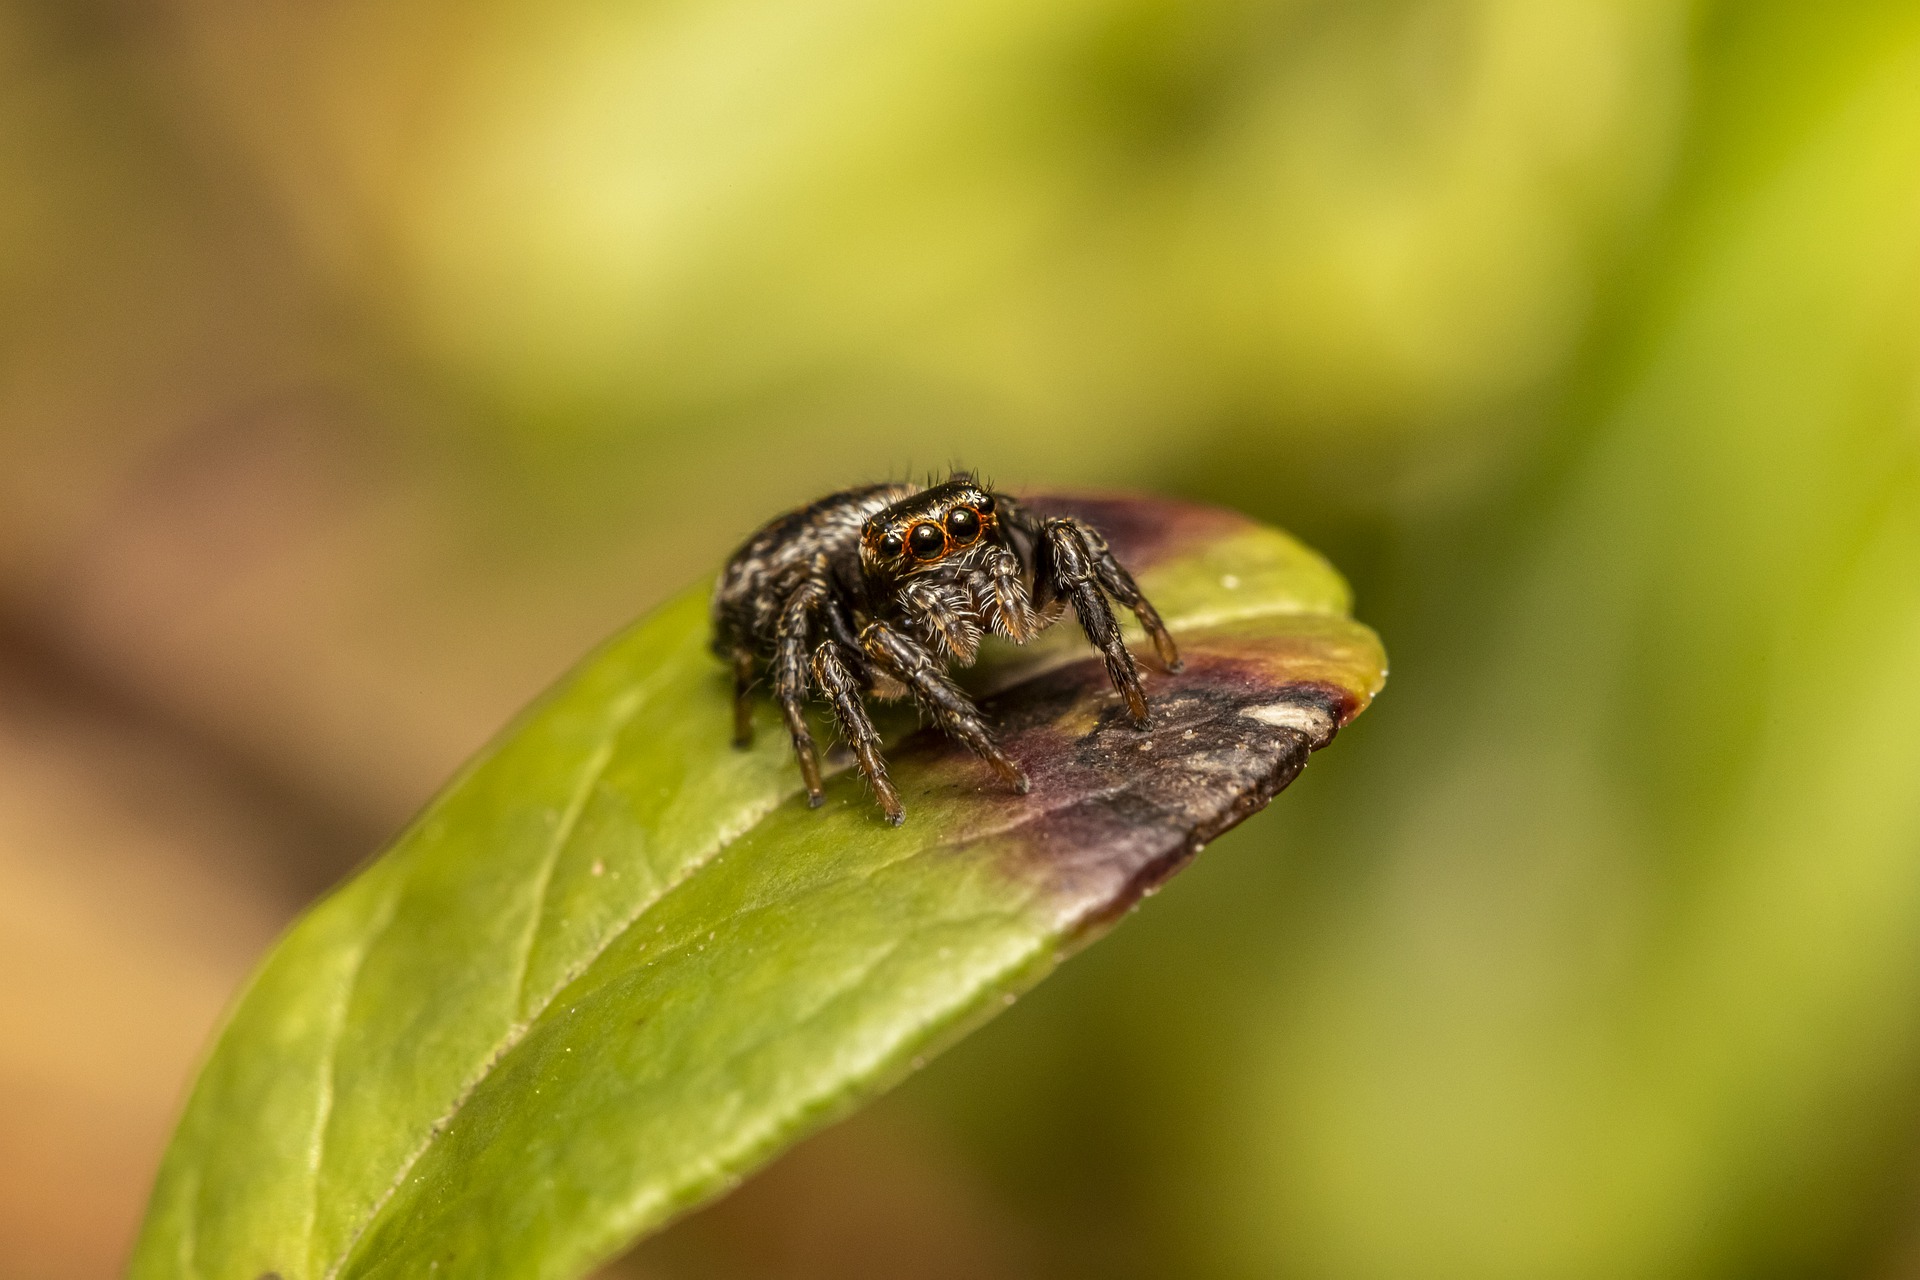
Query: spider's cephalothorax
x,y
878,591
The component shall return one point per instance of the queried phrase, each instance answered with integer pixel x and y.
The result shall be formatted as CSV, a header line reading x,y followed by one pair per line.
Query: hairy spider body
x,y
880,591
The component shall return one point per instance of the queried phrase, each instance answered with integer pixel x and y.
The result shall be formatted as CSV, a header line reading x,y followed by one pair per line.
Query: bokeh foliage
x,y
1582,335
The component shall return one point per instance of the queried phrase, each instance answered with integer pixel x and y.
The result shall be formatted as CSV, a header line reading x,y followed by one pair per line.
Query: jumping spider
x,y
879,590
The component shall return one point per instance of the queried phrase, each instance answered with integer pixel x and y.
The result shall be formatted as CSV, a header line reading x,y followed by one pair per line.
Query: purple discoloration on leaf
x,y
1143,530
1116,810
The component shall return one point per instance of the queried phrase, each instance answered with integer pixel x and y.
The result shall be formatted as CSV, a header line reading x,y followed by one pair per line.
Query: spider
x,y
879,591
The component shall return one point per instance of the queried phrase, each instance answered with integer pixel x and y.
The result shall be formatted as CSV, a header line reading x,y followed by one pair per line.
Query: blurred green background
x,y
361,363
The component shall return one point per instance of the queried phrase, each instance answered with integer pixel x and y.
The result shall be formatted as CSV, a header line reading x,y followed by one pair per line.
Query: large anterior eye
x,y
963,524
927,542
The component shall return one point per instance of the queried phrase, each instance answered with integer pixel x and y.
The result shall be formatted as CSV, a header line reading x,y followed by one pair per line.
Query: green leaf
x,y
618,964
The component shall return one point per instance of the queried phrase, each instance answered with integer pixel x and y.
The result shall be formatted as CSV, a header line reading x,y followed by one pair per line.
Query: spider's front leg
x,y
910,663
842,688
1074,563
1119,584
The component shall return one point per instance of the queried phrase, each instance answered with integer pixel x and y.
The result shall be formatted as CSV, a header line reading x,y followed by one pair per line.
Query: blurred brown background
x,y
363,362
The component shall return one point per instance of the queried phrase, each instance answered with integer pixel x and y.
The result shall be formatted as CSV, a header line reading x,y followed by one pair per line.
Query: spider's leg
x,y
1012,606
790,678
954,632
1119,584
1071,564
838,682
840,627
910,663
742,707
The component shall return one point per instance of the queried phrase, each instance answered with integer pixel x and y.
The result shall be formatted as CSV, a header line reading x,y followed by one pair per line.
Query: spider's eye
x,y
890,545
985,505
963,524
927,541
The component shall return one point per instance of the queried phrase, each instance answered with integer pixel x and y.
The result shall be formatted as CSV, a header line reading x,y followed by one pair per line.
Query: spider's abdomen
x,y
783,552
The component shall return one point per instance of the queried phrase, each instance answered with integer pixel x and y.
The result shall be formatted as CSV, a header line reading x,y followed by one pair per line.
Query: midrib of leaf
x,y
562,835
636,701
1194,619
743,1149
323,1109
523,1026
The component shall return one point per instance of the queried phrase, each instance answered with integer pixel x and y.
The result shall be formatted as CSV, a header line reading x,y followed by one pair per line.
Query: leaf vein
x,y
562,836
523,1025
323,1111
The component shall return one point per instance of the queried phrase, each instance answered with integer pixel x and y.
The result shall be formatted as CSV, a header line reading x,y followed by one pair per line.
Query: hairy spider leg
x,y
952,710
1120,585
842,688
840,626
1013,608
1071,564
948,628
742,706
790,678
